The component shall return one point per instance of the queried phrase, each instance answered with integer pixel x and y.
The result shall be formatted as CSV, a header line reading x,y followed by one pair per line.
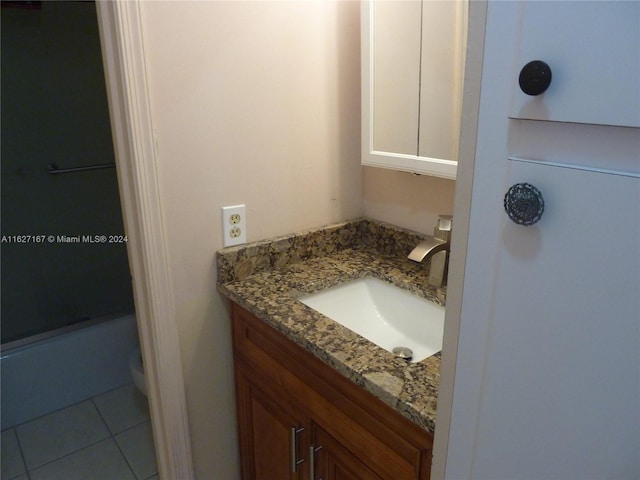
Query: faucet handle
x,y
443,228
445,223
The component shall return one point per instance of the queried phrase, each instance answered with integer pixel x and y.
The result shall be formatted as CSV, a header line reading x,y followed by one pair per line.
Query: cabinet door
x,y
564,337
592,49
272,434
334,462
396,77
547,378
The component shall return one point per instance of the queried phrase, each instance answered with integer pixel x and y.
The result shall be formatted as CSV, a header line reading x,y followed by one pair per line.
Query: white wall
x,y
257,103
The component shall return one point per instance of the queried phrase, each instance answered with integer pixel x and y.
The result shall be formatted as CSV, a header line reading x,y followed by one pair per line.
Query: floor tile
x,y
60,433
11,464
137,446
101,461
123,408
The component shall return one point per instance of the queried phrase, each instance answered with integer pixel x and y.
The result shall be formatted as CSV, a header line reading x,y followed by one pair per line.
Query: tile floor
x,y
107,437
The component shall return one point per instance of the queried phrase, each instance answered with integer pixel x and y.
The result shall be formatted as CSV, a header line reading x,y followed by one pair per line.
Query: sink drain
x,y
403,352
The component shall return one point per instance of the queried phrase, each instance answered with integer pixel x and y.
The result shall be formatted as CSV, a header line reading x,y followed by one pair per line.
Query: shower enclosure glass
x,y
63,250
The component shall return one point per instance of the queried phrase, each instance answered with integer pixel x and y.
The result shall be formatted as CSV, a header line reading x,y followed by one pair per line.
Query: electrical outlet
x,y
234,225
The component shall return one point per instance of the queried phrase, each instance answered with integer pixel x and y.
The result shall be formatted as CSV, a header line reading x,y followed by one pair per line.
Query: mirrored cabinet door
x,y
412,75
395,94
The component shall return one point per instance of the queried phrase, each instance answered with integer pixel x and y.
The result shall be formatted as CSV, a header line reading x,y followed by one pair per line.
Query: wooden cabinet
x,y
300,419
335,462
273,431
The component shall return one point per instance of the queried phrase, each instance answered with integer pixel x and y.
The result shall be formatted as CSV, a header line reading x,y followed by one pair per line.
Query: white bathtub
x,y
56,372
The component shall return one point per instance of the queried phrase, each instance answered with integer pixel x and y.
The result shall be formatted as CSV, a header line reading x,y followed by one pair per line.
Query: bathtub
x,y
51,373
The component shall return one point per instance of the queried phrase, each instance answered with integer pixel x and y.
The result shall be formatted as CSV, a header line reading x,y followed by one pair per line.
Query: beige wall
x,y
256,103
406,200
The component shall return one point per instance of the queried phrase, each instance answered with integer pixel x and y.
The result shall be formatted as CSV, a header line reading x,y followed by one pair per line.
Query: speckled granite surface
x,y
268,277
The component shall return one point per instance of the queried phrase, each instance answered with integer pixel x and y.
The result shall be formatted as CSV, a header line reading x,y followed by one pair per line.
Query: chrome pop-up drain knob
x,y
403,352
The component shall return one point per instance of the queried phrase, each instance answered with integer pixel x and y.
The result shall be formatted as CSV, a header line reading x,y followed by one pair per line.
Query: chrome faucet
x,y
437,249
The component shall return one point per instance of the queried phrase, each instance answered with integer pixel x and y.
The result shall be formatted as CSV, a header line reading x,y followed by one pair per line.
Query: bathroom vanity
x,y
315,400
299,418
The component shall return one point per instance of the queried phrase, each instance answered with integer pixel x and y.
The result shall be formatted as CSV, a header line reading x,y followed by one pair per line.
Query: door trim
x,y
462,212
121,38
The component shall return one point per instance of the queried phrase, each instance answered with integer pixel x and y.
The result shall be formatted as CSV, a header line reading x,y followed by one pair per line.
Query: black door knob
x,y
524,204
535,77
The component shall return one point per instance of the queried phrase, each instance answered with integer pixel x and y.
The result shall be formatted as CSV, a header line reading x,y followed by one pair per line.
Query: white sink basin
x,y
384,314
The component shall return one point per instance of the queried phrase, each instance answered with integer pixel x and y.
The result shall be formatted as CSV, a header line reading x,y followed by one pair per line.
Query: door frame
x,y
477,21
121,36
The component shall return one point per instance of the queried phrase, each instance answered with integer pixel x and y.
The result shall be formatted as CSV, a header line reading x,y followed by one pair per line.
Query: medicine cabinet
x,y
412,75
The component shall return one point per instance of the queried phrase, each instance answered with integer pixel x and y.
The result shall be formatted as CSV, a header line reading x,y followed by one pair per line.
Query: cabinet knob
x,y
524,204
535,77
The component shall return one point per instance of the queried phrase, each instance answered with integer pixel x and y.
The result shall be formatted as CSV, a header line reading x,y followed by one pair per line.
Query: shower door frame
x,y
124,62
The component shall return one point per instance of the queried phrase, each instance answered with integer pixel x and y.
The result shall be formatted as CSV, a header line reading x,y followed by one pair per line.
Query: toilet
x,y
137,370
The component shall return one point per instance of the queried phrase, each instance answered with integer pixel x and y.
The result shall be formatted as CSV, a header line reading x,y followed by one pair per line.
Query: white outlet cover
x,y
229,239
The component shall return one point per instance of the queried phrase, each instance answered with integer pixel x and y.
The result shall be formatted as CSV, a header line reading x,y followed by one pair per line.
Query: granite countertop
x,y
268,277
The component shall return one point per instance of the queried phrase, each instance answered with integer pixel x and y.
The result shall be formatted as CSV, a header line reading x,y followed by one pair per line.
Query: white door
x,y
547,379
